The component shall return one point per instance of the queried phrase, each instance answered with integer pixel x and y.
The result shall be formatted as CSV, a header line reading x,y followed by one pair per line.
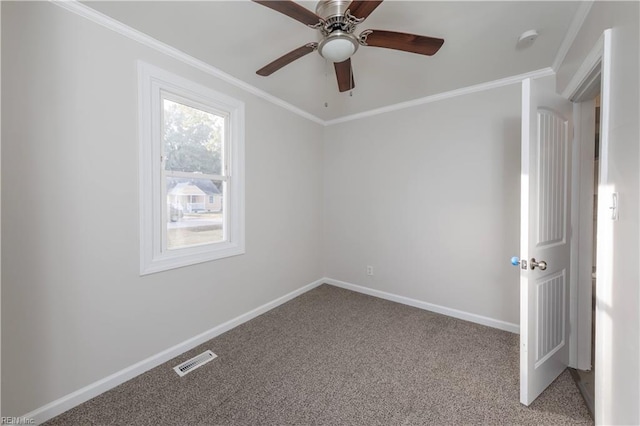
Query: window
x,y
191,172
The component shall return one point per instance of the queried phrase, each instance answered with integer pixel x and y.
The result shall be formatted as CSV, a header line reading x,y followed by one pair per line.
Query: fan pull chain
x,y
351,81
326,82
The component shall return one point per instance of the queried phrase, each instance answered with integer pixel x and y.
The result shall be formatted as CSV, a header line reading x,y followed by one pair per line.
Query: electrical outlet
x,y
369,270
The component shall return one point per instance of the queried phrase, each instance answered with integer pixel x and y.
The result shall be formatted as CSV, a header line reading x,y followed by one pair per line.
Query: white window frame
x,y
154,85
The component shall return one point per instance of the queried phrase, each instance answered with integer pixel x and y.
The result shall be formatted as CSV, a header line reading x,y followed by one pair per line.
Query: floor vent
x,y
195,362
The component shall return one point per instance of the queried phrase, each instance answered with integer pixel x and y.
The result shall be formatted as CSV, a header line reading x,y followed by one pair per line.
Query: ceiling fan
x,y
336,20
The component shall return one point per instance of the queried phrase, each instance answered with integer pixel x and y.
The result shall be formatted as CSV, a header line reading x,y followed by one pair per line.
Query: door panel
x,y
551,168
550,324
545,204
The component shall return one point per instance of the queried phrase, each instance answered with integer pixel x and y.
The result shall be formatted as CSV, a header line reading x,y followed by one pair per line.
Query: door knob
x,y
542,264
515,261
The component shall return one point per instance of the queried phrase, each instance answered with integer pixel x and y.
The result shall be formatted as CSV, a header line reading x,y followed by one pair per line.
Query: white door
x,y
544,236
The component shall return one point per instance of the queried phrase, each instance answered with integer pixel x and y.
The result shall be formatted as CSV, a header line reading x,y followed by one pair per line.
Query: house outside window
x,y
191,172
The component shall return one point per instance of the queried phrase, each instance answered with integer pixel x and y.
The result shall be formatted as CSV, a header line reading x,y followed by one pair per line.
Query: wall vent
x,y
195,362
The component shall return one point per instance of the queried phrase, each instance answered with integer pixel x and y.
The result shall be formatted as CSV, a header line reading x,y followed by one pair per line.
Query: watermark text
x,y
17,421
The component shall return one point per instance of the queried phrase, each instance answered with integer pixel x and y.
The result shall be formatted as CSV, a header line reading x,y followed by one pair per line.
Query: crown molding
x,y
572,32
93,15
446,95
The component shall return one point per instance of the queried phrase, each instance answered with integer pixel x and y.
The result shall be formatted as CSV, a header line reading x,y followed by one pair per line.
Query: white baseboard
x,y
479,319
59,406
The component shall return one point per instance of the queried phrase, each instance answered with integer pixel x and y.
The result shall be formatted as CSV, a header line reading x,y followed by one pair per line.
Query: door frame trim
x,y
598,61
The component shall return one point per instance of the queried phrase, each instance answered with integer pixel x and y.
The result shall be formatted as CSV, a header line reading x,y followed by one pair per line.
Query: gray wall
x,y
623,307
430,197
74,308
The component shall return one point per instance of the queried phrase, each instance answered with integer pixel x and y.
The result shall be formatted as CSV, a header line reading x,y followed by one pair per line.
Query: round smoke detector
x,y
526,39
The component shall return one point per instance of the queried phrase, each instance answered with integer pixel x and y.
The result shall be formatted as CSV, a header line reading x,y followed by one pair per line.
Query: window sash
x,y
226,219
226,152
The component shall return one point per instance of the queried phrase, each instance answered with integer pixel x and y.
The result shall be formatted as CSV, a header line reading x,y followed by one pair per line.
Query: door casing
x,y
595,70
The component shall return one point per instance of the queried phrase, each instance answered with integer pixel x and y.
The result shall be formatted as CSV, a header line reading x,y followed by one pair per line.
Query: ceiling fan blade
x,y
401,41
344,74
287,59
363,8
292,10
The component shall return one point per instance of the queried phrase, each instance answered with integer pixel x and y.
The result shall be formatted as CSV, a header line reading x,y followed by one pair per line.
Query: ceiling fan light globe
x,y
338,47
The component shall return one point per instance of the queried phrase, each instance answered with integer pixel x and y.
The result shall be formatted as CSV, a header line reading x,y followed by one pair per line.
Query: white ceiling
x,y
239,37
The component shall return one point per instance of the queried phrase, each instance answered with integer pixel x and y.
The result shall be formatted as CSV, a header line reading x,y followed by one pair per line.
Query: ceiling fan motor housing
x,y
327,9
335,16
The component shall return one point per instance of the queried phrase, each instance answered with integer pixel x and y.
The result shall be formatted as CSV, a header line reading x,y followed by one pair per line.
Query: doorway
x,y
591,79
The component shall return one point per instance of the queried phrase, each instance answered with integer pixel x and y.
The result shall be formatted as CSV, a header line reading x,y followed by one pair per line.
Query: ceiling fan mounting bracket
x,y
362,38
349,17
318,26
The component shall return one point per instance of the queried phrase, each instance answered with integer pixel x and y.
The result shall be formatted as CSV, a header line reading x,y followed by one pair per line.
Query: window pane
x,y
193,139
194,212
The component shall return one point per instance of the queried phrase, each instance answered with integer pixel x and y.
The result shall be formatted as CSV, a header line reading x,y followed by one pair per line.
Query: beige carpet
x,y
335,357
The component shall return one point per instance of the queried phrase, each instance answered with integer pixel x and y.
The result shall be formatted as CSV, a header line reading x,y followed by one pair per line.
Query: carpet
x,y
336,357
